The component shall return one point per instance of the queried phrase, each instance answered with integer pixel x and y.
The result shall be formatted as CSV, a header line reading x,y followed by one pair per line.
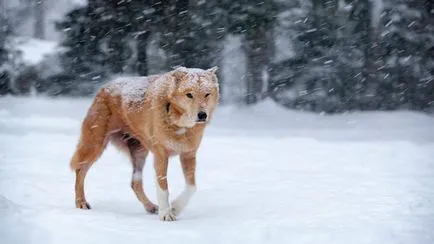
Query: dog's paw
x,y
181,202
82,205
151,208
177,208
167,214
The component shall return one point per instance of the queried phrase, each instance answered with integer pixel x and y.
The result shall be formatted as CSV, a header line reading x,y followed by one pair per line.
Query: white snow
x,y
264,175
131,89
55,11
191,70
34,50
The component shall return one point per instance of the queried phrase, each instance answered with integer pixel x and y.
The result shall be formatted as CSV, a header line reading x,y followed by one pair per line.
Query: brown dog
x,y
165,114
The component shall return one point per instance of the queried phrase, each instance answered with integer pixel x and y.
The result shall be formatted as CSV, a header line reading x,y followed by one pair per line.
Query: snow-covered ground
x,y
265,175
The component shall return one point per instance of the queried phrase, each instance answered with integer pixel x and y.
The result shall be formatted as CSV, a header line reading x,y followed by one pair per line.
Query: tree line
x,y
344,54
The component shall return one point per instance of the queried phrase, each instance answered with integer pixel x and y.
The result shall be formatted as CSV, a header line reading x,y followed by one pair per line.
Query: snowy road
x,y
265,175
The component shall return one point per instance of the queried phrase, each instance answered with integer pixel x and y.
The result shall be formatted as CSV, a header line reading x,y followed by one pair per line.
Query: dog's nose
x,y
202,116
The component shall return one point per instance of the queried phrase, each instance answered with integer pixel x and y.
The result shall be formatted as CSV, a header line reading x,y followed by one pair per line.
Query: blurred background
x,y
324,56
324,133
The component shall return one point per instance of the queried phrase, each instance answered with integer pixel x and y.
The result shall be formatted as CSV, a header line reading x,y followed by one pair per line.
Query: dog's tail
x,y
94,133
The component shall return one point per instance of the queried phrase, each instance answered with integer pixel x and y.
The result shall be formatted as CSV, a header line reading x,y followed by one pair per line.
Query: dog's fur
x,y
157,113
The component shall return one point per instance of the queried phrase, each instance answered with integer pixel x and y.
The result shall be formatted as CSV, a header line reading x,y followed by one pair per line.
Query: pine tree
x,y
83,30
366,34
408,37
107,38
255,21
208,29
310,80
6,58
191,32
111,37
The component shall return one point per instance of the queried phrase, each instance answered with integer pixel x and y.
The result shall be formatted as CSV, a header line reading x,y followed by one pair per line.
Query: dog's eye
x,y
207,95
189,95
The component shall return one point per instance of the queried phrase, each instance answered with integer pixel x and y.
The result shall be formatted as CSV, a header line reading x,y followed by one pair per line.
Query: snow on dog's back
x,y
131,89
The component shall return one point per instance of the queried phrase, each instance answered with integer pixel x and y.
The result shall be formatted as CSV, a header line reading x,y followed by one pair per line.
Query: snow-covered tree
x,y
324,56
10,64
310,78
191,32
111,37
254,20
408,39
4,54
83,56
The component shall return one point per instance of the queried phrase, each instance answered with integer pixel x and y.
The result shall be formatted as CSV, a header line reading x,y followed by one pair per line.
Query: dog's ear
x,y
213,70
179,74
175,78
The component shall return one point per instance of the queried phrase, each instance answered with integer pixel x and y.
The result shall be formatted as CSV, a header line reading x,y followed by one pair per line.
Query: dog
x,y
165,114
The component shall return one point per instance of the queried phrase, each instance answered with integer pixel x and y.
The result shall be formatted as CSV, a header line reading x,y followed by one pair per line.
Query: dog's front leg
x,y
188,162
164,210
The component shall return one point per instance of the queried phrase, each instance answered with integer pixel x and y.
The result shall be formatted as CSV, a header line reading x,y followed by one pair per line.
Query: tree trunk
x,y
142,58
39,18
258,47
4,75
371,51
117,52
369,39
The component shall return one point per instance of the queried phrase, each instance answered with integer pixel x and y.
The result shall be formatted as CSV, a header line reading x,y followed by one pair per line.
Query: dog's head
x,y
192,96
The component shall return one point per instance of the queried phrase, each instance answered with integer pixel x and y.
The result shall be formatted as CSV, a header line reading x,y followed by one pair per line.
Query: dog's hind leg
x,y
93,140
80,198
137,153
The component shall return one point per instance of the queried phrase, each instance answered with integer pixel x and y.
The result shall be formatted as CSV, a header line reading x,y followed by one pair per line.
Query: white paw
x,y
167,214
181,202
176,208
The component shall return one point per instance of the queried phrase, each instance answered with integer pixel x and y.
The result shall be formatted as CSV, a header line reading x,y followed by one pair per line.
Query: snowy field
x,y
265,175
